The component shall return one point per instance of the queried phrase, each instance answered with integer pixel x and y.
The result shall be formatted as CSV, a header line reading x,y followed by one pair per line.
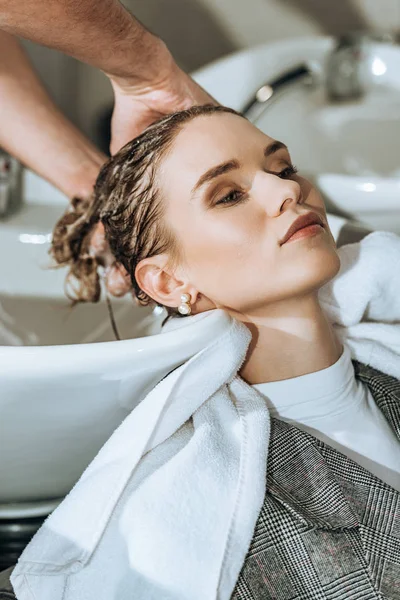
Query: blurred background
x,y
200,31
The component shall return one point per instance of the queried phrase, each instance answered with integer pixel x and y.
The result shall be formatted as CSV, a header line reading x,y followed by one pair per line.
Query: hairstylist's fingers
x,y
137,107
98,243
117,280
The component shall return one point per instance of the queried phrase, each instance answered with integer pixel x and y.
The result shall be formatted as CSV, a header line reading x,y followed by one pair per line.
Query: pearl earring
x,y
184,308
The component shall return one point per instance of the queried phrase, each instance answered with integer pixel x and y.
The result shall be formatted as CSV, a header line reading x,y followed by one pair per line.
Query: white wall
x,y
383,15
252,22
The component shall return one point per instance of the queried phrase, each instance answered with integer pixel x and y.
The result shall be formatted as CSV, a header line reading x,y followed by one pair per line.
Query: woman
x,y
206,212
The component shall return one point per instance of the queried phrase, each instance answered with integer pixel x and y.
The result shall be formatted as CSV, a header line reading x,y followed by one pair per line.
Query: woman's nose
x,y
277,195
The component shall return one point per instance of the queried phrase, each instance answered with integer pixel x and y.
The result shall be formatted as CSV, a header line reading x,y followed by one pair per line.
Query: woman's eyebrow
x,y
274,147
216,171
233,164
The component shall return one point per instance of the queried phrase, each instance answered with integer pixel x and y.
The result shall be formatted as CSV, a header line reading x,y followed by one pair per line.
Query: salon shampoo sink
x,y
59,404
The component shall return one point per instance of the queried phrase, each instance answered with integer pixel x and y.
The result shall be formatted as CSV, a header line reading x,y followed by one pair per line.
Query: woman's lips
x,y
308,231
304,223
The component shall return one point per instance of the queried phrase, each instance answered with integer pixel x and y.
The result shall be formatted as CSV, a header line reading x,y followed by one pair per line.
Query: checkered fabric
x,y
328,529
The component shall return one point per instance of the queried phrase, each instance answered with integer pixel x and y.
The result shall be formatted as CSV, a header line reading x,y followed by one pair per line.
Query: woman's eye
x,y
232,198
288,172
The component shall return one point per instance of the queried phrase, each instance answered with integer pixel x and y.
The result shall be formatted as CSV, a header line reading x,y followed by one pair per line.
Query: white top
x,y
340,410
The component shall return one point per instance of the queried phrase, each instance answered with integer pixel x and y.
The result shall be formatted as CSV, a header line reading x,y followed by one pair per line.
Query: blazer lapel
x,y
385,390
298,475
299,478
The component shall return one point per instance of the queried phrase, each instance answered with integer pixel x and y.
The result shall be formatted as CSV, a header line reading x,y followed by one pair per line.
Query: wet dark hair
x,y
127,201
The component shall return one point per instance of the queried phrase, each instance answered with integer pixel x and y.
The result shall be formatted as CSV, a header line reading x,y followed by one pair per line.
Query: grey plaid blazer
x,y
328,529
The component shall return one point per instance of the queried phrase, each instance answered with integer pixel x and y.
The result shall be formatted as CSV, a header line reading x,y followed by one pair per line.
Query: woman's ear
x,y
156,278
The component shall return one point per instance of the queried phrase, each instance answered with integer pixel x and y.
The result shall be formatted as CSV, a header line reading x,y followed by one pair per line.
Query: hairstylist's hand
x,y
117,279
137,105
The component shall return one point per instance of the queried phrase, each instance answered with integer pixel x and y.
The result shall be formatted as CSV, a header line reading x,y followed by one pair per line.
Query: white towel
x,y
168,507
363,301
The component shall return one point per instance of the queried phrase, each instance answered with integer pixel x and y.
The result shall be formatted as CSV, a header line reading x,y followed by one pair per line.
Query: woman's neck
x,y
289,340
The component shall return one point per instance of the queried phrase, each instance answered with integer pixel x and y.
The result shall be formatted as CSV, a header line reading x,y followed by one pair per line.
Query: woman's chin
x,y
325,266
312,271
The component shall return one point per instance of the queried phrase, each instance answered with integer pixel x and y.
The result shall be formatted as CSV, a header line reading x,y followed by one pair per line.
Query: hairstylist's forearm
x,y
101,33
36,132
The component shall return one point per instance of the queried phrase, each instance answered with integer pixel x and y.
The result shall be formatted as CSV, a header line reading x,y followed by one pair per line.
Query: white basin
x,y
372,201
59,404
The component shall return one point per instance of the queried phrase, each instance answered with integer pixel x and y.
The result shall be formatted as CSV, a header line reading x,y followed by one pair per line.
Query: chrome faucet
x,y
349,71
267,93
10,184
350,68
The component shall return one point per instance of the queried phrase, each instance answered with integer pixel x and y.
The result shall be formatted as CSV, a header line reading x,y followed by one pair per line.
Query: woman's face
x,y
231,195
